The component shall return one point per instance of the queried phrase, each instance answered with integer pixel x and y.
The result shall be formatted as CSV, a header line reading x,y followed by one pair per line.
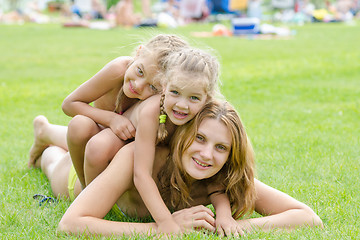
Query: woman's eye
x,y
221,147
140,72
194,98
174,92
153,88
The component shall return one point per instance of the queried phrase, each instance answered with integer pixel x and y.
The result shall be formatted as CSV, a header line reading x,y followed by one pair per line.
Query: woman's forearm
x,y
290,219
94,226
280,210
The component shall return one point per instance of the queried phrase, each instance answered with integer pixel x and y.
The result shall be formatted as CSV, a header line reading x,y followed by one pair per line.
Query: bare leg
x,y
46,134
81,129
55,162
99,151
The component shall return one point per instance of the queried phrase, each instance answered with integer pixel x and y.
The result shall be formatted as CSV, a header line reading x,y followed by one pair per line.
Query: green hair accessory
x,y
162,118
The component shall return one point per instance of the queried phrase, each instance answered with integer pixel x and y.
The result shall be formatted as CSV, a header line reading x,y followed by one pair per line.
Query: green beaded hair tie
x,y
162,118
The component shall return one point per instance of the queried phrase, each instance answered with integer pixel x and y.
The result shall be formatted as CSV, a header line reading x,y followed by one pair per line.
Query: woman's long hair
x,y
237,174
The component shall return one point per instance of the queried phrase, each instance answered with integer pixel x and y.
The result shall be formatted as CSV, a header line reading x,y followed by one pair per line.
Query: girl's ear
x,y
138,50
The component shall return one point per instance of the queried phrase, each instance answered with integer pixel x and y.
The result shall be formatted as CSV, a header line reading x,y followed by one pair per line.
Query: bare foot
x,y
40,141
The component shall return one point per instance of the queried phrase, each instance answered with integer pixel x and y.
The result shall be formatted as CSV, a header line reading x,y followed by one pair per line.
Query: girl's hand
x,y
198,217
227,225
122,127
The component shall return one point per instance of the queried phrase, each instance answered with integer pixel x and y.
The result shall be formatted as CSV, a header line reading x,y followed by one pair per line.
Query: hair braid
x,y
119,99
162,132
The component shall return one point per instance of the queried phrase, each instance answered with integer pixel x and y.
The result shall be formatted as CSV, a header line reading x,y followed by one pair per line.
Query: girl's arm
x,y
225,223
145,142
280,210
110,78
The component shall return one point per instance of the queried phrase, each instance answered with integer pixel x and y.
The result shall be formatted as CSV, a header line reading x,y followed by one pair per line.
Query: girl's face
x,y
182,103
209,151
139,79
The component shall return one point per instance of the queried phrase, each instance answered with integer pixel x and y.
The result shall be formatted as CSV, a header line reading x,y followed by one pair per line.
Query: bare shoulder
x,y
119,65
121,60
150,107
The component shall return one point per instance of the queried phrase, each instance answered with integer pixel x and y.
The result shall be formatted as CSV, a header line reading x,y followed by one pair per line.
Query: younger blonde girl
x,y
190,82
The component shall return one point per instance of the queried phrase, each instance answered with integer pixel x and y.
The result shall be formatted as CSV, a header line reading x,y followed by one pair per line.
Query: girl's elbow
x,y
139,178
136,179
317,222
69,225
65,225
314,219
65,106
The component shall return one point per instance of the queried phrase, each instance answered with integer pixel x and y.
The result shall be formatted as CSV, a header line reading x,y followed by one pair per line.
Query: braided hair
x,y
162,132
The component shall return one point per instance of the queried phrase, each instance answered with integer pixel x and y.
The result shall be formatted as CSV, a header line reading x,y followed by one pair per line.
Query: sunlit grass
x,y
298,98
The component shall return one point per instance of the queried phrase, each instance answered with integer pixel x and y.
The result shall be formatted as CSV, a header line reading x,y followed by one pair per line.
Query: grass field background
x,y
299,100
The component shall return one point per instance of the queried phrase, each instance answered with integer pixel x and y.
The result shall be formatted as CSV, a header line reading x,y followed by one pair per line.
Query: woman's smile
x,y
210,150
200,163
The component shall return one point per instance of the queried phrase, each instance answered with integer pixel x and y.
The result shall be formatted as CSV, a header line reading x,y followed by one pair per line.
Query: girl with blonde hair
x,y
115,88
190,81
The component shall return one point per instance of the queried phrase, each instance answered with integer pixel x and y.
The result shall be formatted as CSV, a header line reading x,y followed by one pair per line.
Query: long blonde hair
x,y
158,47
200,65
237,174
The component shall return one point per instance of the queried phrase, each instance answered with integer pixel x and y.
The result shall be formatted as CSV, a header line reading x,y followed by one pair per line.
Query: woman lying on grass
x,y
198,157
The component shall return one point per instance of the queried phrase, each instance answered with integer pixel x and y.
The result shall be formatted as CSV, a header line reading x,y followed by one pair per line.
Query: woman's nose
x,y
207,152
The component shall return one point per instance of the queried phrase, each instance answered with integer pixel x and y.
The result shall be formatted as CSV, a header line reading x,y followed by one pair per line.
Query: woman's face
x,y
209,151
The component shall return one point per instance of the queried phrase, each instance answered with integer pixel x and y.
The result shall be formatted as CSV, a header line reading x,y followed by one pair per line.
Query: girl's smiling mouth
x,y
132,89
179,115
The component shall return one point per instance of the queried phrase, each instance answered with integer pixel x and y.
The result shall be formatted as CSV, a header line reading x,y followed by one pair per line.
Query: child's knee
x,y
97,151
81,128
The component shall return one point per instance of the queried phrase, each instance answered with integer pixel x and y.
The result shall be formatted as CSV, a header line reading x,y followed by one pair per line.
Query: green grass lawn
x,y
299,99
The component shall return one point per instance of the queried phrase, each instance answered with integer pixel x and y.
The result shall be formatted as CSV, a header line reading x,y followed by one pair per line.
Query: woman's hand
x,y
227,225
122,127
198,217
